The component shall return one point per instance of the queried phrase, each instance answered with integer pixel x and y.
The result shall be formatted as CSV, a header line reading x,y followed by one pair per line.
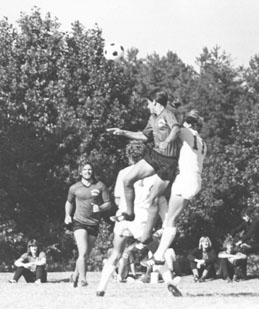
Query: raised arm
x,y
129,134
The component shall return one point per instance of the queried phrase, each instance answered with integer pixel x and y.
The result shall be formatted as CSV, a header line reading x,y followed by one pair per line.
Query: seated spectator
x,y
249,241
31,265
202,260
232,262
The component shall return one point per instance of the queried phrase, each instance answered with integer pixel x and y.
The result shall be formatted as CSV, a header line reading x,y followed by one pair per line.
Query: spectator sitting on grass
x,y
232,262
202,260
31,265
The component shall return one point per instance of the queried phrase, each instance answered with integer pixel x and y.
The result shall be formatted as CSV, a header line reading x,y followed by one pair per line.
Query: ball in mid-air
x,y
113,51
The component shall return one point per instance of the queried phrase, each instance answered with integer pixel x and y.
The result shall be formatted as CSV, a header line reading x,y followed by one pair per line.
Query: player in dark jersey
x,y
86,199
164,127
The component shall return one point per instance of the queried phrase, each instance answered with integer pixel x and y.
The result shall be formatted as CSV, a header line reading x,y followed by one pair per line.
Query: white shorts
x,y
132,228
186,185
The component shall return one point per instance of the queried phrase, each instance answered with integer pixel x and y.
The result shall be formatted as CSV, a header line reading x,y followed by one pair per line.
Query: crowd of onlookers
x,y
206,264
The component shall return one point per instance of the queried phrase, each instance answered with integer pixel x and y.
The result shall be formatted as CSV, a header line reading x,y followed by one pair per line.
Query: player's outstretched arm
x,y
129,134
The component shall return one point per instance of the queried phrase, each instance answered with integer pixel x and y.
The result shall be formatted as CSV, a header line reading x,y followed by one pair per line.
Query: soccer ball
x,y
114,52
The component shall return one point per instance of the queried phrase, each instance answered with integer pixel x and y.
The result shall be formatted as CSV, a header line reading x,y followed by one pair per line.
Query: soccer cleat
x,y
12,281
174,290
151,262
73,282
123,217
100,293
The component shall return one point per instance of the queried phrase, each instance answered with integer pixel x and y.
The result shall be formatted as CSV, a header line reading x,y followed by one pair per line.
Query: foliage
x,y
58,95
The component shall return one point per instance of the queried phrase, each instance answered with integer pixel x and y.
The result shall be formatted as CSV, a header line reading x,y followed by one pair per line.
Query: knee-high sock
x,y
165,273
166,240
107,272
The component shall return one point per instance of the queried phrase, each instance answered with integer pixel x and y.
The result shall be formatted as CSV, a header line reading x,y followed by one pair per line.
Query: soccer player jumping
x,y
164,127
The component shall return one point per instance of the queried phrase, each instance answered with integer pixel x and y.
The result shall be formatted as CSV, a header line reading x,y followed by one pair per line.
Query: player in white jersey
x,y
187,183
125,229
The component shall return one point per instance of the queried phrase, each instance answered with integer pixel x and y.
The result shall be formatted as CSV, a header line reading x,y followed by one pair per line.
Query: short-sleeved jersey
x,y
159,127
84,197
142,190
192,152
28,258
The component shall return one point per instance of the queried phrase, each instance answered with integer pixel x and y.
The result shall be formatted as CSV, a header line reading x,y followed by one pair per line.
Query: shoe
x,y
151,262
235,278
195,278
73,282
38,281
174,290
122,217
202,279
100,293
83,283
12,281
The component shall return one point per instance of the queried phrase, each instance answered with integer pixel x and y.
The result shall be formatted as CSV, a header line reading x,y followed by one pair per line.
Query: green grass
x,y
58,293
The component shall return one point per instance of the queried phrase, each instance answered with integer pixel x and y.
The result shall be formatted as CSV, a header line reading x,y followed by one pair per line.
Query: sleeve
x,y
24,258
239,228
71,194
148,130
172,119
105,193
193,254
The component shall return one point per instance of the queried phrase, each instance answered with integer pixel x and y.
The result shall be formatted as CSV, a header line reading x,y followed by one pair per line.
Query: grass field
x,y
58,293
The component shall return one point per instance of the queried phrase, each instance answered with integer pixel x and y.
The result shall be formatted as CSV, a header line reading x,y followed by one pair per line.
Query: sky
x,y
184,27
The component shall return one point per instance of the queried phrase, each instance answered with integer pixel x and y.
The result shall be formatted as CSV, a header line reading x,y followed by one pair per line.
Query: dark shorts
x,y
91,229
164,166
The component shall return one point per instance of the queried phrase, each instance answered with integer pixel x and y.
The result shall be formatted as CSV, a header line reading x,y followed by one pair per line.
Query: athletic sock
x,y
166,240
107,272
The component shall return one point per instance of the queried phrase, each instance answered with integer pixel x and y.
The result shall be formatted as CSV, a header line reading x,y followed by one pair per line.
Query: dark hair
x,y
32,242
193,117
135,150
161,97
84,163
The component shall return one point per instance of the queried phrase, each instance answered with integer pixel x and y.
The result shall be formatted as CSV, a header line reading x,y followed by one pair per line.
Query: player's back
x,y
192,152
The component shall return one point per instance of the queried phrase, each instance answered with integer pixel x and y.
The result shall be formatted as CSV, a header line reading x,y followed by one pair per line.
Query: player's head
x,y
32,246
135,151
86,170
194,120
204,242
161,97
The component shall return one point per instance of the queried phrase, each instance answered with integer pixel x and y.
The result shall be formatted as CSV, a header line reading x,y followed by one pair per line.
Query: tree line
x,y
58,94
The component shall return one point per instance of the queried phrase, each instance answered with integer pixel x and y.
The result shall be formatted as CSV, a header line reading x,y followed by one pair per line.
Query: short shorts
x,y
91,229
186,185
164,166
132,228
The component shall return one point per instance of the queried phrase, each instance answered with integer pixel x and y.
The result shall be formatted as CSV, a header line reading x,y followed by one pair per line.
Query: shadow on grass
x,y
59,281
223,294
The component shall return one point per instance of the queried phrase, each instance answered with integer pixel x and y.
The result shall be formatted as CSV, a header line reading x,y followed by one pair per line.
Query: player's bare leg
x,y
84,243
119,244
